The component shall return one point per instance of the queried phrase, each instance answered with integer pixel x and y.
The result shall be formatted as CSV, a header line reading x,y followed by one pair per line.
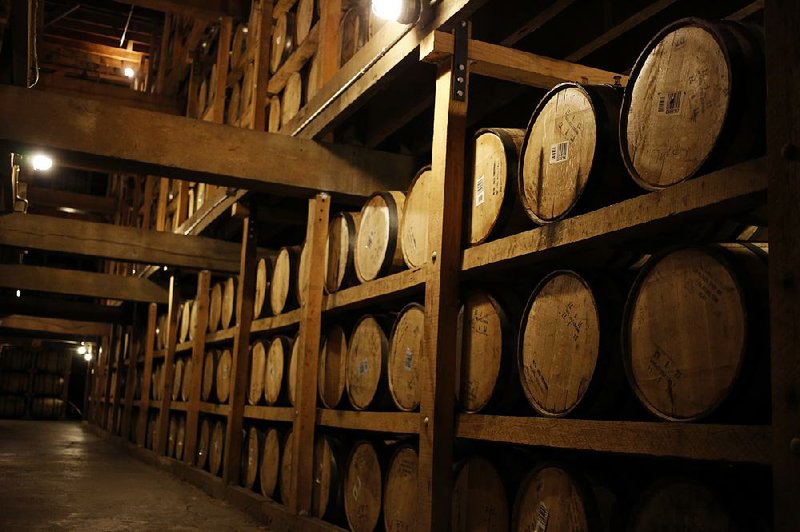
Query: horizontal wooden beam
x,y
500,62
206,9
31,231
108,93
130,140
59,308
48,197
80,283
54,326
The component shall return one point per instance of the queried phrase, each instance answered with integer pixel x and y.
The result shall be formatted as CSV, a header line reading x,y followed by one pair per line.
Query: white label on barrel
x,y
542,515
559,152
480,193
409,360
669,103
362,367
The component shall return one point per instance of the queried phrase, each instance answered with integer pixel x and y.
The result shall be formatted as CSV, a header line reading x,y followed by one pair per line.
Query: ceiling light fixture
x,y
41,162
402,11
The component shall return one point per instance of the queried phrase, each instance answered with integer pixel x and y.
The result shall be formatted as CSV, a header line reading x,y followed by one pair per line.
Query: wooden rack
x,y
437,424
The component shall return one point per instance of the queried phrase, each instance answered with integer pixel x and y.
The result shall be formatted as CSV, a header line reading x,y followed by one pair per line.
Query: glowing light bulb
x,y
87,357
387,9
82,350
19,294
129,72
41,163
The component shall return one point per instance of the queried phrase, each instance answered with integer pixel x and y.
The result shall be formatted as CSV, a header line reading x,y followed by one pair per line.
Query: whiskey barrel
x,y
222,383
258,360
12,406
203,444
186,320
414,222
262,284
177,379
366,364
186,382
694,329
493,203
239,44
14,360
282,289
291,376
51,361
274,119
216,446
277,365
378,250
363,488
292,97
674,502
332,367
246,102
270,463
250,457
695,102
12,383
405,354
560,344
570,159
304,18
341,267
195,312
327,495
283,38
400,498
352,32
171,435
486,368
479,497
180,438
312,78
209,374
47,384
235,103
287,468
228,303
554,499
215,307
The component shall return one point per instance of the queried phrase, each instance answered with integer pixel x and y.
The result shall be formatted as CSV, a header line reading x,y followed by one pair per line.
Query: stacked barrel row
x,y
41,374
291,30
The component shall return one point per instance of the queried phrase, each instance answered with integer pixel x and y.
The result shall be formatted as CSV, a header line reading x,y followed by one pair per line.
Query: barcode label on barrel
x,y
542,515
480,193
362,367
669,103
409,360
559,152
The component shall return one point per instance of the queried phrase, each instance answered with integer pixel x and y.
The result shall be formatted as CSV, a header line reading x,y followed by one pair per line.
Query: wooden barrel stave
x,y
216,448
378,248
400,496
414,222
258,359
340,258
222,383
367,355
282,288
479,497
270,463
405,354
363,488
332,367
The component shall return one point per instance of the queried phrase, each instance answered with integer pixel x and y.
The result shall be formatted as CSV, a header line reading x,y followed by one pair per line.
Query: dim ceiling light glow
x,y
87,357
129,72
41,162
82,350
19,294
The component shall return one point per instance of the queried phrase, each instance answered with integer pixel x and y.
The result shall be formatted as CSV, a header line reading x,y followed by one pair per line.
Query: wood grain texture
x,y
332,367
366,363
295,62
147,374
165,372
479,497
400,496
405,353
363,488
551,497
194,370
269,467
340,255
47,326
414,222
394,286
378,247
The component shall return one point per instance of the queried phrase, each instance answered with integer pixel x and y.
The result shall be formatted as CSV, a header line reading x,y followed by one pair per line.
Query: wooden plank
x,y
389,422
733,189
168,369
55,326
222,335
543,17
282,6
62,198
499,62
198,357
223,60
275,323
330,14
302,482
87,132
263,20
782,18
295,62
437,375
54,280
270,413
213,408
130,383
147,374
56,308
395,286
163,201
241,353
119,353
746,11
131,244
728,443
147,202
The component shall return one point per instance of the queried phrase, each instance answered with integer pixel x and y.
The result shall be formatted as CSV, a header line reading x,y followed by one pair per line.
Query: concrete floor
x,y
59,476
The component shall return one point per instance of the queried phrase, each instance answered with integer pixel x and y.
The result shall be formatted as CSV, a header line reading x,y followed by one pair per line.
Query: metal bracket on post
x,y
460,58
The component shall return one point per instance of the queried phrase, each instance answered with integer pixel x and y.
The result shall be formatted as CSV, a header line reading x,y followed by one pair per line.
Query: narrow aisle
x,y
60,476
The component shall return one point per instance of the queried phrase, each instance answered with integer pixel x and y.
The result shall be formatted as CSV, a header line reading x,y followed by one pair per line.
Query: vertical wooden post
x,y
147,374
241,352
182,209
130,384
163,60
198,349
65,389
306,385
147,205
119,357
163,201
192,109
263,18
782,18
223,61
109,378
437,370
330,14
160,445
